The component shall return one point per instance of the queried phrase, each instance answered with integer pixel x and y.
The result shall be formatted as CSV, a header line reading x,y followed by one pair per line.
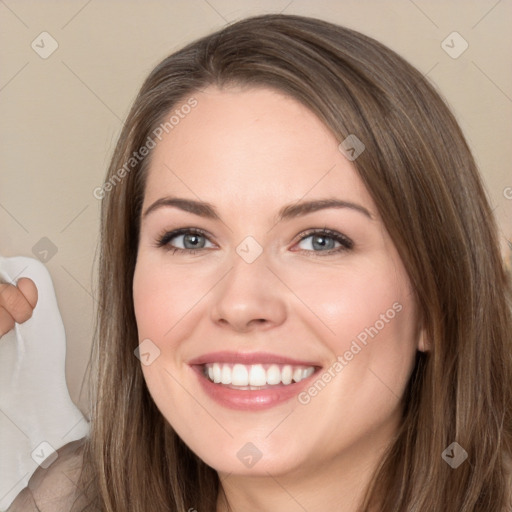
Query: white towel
x,y
37,415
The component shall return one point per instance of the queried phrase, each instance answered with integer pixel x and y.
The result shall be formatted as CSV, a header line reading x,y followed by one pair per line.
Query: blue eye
x,y
326,241
194,240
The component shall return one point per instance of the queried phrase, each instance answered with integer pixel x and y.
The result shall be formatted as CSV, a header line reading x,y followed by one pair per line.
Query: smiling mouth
x,y
255,376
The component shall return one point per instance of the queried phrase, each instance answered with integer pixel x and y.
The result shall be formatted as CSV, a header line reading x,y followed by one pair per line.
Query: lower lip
x,y
250,400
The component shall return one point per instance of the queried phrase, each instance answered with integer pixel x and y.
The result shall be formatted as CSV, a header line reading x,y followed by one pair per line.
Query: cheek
x,y
352,302
366,318
164,295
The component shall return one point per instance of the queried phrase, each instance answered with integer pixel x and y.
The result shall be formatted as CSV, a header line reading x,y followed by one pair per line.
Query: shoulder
x,y
53,489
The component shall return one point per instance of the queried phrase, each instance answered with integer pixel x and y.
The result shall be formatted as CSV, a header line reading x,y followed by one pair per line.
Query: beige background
x,y
60,116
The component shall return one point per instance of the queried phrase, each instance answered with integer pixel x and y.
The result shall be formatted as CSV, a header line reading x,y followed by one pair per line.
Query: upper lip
x,y
248,358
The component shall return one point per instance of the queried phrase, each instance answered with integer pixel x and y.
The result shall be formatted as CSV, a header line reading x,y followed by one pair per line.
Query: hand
x,y
16,303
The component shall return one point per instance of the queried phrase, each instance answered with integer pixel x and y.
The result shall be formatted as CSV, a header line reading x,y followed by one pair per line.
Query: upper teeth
x,y
256,374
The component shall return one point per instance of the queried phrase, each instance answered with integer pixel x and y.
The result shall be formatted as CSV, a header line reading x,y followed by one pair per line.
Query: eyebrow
x,y
290,211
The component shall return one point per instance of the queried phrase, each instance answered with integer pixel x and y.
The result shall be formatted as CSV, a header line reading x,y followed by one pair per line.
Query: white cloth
x,y
37,414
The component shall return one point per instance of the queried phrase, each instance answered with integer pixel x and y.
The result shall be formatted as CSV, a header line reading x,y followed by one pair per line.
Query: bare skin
x,y
249,153
16,303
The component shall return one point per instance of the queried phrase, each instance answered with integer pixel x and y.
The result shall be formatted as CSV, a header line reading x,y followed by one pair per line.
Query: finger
x,y
6,321
15,303
29,290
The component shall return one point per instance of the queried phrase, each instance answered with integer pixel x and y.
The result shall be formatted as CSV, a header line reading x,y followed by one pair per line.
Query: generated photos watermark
x,y
137,156
357,345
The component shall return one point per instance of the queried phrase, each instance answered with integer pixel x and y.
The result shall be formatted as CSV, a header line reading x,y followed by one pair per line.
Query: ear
x,y
424,344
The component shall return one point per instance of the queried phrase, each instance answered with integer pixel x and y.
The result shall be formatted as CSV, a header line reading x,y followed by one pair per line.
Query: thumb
x,y
27,287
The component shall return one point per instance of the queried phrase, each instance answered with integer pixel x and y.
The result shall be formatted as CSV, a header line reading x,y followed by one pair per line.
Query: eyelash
x,y
346,243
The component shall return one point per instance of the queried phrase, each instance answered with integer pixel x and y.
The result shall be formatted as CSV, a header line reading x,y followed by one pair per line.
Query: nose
x,y
249,297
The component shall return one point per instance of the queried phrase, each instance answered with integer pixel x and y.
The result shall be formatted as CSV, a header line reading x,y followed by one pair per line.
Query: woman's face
x,y
278,326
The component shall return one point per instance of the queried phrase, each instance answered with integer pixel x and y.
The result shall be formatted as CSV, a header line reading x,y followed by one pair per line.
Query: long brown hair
x,y
420,172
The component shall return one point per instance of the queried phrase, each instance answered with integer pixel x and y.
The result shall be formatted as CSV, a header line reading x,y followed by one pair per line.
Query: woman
x,y
297,248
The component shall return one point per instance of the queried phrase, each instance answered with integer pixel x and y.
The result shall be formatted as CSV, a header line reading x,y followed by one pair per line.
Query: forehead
x,y
240,146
